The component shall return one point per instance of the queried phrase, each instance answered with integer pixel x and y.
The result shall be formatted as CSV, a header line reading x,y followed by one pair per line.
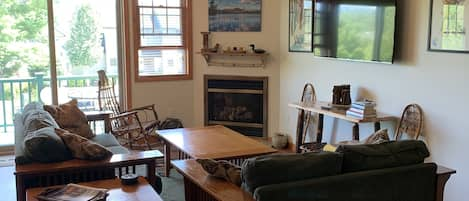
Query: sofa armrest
x,y
442,176
415,182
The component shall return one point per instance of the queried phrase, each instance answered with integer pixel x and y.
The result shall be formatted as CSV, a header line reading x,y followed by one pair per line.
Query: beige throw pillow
x,y
71,118
222,169
378,137
81,147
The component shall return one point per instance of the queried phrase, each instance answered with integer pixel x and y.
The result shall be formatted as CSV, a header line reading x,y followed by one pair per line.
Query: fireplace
x,y
237,102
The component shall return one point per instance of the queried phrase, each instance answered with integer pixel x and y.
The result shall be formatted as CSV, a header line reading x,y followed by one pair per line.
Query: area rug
x,y
173,187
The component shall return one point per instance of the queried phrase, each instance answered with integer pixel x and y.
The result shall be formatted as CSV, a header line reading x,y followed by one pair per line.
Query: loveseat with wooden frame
x,y
30,173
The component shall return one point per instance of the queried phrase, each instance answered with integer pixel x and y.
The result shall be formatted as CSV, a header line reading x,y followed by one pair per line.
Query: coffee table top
x,y
117,192
215,142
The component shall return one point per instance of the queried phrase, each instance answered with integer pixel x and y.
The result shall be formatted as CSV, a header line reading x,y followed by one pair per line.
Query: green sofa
x,y
392,171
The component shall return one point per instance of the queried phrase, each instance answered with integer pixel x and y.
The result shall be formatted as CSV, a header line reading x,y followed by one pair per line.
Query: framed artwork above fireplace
x,y
237,102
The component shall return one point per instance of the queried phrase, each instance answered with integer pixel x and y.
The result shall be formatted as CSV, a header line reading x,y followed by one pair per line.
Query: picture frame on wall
x,y
448,26
235,15
301,25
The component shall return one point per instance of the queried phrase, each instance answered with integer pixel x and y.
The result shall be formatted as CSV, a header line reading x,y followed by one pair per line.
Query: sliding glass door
x,y
85,42
50,51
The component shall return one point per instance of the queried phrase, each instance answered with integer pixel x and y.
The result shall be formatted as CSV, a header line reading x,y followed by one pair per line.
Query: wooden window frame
x,y
186,21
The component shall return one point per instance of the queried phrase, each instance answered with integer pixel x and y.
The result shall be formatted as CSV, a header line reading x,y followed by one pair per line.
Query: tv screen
x,y
360,30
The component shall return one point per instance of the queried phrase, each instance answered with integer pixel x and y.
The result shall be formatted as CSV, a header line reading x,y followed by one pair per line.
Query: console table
x,y
339,113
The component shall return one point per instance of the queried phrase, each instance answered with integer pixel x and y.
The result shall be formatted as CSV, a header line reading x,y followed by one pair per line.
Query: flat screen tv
x,y
361,30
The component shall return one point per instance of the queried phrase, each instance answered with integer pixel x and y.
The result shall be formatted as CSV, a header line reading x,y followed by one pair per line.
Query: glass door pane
x,y
85,42
24,60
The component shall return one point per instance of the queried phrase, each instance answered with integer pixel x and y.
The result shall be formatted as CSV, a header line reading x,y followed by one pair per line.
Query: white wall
x,y
171,98
267,39
184,99
436,81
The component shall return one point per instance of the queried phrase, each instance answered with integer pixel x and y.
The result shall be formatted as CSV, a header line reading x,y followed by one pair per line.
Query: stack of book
x,y
362,110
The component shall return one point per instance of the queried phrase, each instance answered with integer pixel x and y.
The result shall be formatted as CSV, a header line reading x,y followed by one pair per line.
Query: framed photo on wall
x,y
449,23
235,15
301,26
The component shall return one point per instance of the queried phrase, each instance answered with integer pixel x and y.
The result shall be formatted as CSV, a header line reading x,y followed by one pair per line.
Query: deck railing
x,y
15,93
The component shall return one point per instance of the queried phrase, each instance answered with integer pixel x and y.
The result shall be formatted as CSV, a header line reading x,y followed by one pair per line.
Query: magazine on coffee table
x,y
73,192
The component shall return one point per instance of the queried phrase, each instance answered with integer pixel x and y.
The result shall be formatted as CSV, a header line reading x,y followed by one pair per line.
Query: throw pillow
x,y
71,118
222,169
43,145
329,148
83,148
378,137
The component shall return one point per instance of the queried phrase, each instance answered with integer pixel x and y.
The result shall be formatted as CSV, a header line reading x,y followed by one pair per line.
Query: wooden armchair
x,y
132,126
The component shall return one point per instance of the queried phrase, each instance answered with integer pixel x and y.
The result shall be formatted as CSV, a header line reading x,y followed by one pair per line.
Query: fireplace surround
x,y
237,102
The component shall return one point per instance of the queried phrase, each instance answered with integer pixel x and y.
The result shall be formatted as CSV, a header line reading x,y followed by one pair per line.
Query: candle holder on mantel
x,y
205,36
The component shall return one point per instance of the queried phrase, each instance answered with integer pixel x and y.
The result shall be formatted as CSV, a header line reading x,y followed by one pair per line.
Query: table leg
x,y
356,132
20,189
377,126
151,173
299,130
167,158
320,128
107,124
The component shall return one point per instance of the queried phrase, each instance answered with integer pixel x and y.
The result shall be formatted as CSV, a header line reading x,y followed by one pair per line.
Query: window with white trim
x,y
163,31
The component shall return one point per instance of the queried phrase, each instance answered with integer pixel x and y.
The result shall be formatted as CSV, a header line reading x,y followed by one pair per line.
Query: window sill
x,y
163,78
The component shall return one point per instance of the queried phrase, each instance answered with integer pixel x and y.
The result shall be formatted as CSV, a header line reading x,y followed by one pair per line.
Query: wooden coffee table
x,y
117,192
214,142
200,186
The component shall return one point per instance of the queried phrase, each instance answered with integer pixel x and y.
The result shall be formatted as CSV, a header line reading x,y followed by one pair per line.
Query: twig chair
x,y
132,126
411,122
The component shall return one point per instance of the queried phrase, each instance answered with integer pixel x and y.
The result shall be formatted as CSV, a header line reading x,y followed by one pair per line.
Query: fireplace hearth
x,y
237,102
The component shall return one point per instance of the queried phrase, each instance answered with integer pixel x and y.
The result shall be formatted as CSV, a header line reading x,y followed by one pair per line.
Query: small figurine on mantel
x,y
256,50
215,48
205,36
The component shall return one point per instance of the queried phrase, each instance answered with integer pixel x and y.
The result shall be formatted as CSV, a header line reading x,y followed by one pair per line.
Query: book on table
x,y
367,111
73,192
360,115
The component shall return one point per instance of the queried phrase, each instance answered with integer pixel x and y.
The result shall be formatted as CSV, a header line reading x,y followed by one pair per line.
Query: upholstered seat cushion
x,y
278,168
384,155
107,140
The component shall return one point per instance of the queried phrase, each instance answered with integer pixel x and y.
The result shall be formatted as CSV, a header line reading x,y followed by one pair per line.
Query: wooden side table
x,y
100,116
117,192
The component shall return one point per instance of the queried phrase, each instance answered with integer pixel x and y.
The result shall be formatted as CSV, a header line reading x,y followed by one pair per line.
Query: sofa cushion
x,y
118,149
406,183
107,140
43,145
278,168
385,155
